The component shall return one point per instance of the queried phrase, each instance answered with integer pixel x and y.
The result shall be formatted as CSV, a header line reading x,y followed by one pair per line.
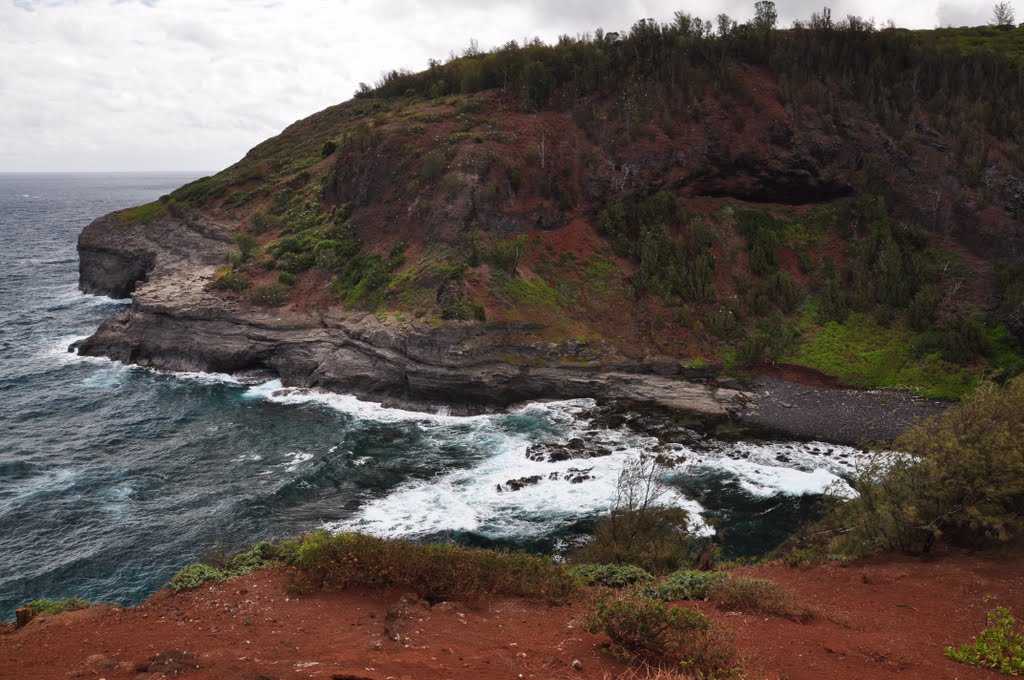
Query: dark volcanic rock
x,y
576,449
175,323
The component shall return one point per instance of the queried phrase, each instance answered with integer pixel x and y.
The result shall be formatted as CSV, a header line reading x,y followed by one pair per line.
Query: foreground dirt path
x,y
883,619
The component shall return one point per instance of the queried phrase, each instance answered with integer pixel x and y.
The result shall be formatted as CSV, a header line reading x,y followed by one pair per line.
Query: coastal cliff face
x,y
176,324
648,234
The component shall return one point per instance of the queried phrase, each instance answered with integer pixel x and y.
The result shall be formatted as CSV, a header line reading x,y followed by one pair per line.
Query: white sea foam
x,y
470,500
296,459
275,392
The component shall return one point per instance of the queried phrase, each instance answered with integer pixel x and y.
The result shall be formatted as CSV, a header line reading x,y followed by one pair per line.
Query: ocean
x,y
113,477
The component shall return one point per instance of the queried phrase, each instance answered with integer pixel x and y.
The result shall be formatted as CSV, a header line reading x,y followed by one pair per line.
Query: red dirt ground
x,y
876,619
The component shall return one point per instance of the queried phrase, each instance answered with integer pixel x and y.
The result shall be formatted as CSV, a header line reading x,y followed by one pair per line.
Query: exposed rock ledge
x,y
175,324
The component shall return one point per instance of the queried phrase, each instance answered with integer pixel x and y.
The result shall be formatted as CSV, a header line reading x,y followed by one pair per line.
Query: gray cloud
x,y
193,84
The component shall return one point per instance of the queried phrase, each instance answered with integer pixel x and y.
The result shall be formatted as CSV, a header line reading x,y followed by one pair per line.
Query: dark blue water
x,y
114,477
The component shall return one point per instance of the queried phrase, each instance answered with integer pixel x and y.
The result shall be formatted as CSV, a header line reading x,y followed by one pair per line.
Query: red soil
x,y
875,620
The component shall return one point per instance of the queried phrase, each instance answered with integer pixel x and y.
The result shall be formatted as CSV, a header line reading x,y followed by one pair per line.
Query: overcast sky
x,y
193,84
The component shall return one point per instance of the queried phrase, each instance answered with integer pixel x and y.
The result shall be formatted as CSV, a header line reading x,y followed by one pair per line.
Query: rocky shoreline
x,y
176,324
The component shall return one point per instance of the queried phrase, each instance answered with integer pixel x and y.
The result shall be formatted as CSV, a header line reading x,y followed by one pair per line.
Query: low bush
x,y
610,575
465,310
962,481
432,571
271,295
228,279
1000,646
755,596
194,576
54,606
642,528
217,566
644,629
685,584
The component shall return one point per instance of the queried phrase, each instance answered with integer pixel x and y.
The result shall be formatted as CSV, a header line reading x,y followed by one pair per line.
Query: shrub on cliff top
x,y
348,560
1000,646
647,630
755,596
685,584
610,575
52,606
194,576
963,482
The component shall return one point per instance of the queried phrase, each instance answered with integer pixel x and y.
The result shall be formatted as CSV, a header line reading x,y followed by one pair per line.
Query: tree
x,y
765,14
1002,14
960,477
643,527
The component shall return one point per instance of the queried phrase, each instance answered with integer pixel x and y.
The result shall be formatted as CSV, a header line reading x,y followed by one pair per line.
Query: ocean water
x,y
113,477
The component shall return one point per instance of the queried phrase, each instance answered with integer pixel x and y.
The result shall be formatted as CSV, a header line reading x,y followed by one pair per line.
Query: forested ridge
x,y
835,195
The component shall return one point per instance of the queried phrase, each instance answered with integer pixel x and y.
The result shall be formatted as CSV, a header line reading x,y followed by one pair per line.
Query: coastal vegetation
x,y
1000,646
958,478
511,185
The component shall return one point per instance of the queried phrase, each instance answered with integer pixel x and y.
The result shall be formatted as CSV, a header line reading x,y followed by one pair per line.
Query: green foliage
x,y
271,294
644,629
610,575
329,147
465,310
54,606
684,584
194,576
769,342
262,222
286,278
865,354
434,165
504,255
641,529
762,232
960,478
217,567
229,279
755,596
247,245
532,293
432,571
1000,646
142,213
645,229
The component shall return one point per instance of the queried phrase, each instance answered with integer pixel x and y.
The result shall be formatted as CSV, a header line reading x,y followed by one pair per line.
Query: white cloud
x,y
193,84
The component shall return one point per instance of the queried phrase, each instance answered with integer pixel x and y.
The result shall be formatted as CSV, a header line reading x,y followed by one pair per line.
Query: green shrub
x,y
194,576
431,571
271,295
644,629
685,584
610,575
641,529
53,606
143,213
247,244
262,222
434,164
504,255
962,480
465,310
286,278
217,566
230,280
1000,646
755,596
